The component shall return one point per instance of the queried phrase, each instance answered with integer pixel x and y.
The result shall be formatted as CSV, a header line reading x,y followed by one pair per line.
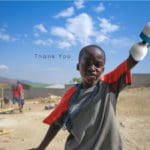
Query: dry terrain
x,y
22,131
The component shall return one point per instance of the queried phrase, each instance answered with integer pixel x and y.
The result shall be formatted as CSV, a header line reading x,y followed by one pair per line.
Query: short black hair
x,y
83,50
18,82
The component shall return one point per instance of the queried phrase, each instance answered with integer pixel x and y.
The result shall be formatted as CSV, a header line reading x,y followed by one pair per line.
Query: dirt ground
x,y
26,130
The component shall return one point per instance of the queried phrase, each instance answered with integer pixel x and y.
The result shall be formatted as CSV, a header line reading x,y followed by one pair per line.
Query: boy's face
x,y
91,66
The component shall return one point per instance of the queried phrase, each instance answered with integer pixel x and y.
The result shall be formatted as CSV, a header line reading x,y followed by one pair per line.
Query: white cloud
x,y
43,42
66,13
81,26
75,30
100,8
64,44
3,67
79,4
63,33
2,30
106,26
41,28
5,37
81,30
101,38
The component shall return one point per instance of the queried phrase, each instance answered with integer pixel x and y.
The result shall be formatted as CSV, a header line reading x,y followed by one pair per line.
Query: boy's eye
x,y
88,63
98,64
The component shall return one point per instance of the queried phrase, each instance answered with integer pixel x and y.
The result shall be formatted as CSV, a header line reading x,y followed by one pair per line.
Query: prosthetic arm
x,y
139,50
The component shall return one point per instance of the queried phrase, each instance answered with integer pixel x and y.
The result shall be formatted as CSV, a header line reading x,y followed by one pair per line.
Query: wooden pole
x,y
1,97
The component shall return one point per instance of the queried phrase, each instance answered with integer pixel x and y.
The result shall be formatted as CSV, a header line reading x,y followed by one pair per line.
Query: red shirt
x,y
20,89
17,90
110,77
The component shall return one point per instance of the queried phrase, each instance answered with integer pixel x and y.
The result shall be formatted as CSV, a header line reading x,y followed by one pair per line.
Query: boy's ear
x,y
77,67
103,69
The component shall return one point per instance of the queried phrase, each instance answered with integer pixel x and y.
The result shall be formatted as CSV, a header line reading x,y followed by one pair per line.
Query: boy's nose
x,y
92,68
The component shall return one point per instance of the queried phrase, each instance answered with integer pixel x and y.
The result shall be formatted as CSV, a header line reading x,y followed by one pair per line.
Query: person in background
x,y
21,95
6,102
18,95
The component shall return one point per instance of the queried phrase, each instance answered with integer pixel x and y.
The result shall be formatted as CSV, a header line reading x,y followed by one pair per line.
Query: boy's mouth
x,y
91,76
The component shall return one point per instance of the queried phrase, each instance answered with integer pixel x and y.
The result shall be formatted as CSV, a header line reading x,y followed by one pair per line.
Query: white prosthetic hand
x,y
140,50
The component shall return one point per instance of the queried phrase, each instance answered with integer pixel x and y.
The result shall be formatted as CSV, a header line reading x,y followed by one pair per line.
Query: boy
x,y
87,110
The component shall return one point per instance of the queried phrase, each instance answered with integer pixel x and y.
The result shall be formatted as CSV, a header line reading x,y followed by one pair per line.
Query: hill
x,y
25,83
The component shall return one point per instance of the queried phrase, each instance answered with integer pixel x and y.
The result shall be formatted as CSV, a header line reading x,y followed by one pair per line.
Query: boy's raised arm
x,y
51,133
131,62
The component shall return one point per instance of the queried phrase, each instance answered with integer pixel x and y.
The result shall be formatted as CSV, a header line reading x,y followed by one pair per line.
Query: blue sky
x,y
40,41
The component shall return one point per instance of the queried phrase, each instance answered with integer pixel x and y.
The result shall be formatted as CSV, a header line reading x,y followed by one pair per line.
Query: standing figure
x,y
21,95
18,95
